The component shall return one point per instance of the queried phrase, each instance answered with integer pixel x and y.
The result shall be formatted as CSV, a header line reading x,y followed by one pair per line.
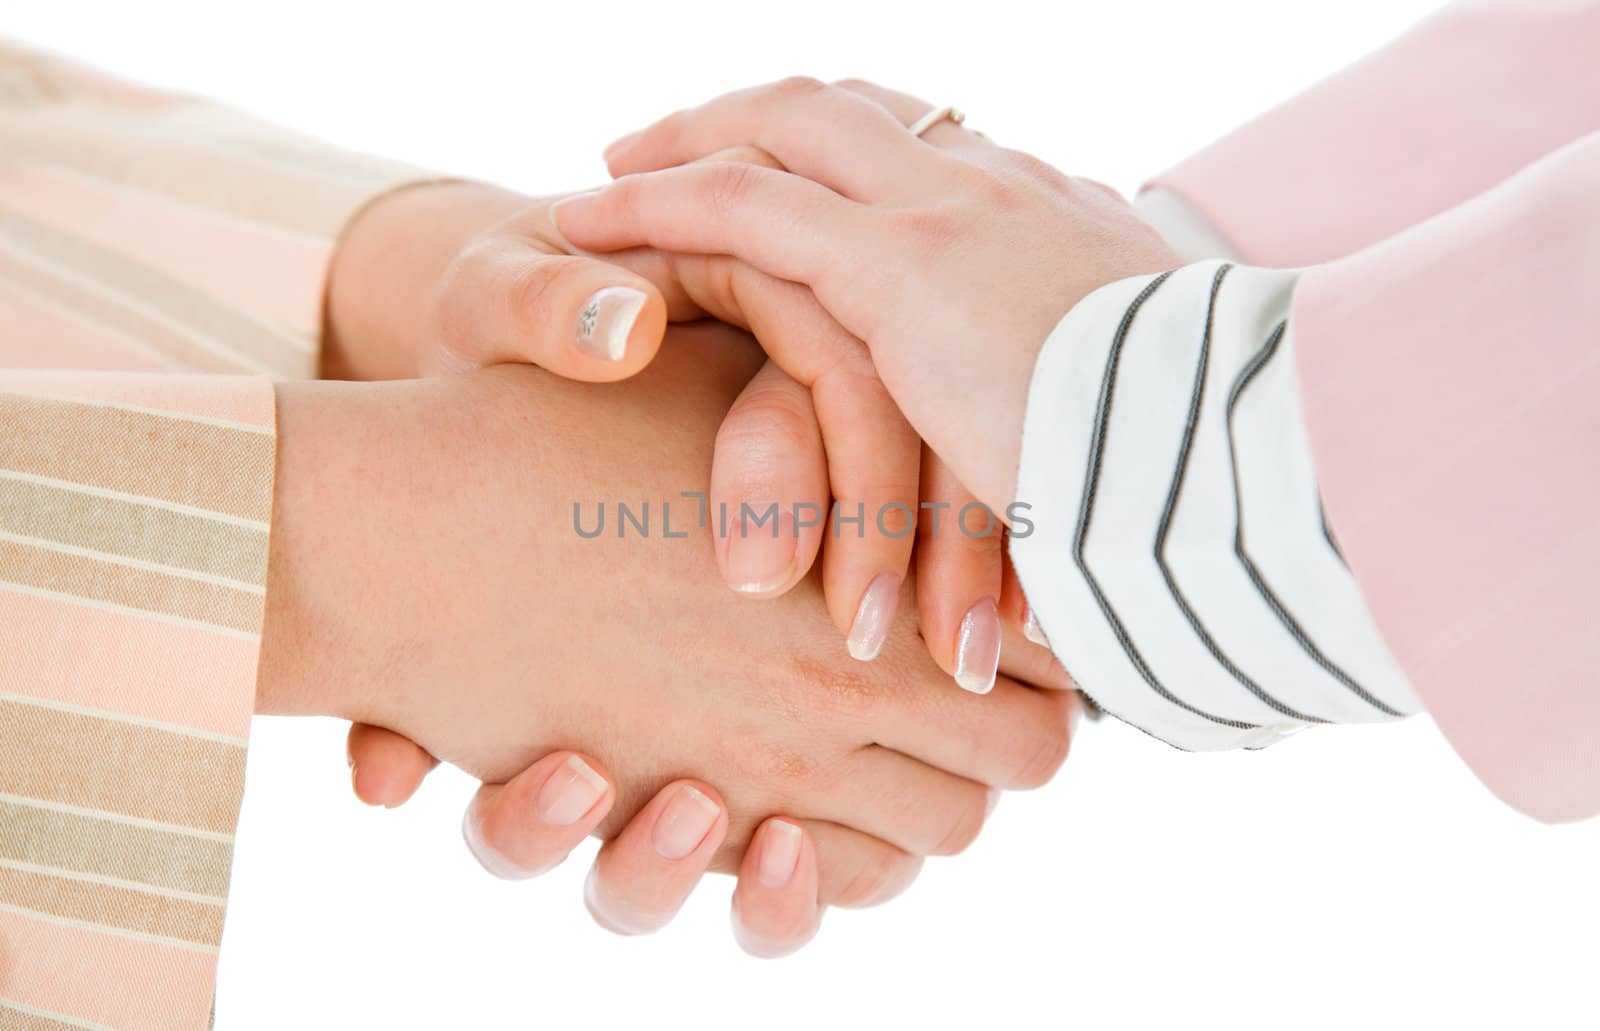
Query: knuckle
x,y
933,229
797,86
895,518
730,184
787,768
750,155
965,821
768,422
857,85
532,288
982,183
620,201
1053,741
1098,188
968,530
1035,169
834,690
878,877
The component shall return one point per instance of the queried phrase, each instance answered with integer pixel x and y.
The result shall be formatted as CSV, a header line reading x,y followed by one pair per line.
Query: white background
x,y
1346,877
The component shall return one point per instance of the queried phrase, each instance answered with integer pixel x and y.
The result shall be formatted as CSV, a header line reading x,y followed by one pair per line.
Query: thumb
x,y
505,299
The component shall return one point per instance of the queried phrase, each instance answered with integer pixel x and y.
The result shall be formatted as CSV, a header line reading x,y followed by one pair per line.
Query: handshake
x,y
810,332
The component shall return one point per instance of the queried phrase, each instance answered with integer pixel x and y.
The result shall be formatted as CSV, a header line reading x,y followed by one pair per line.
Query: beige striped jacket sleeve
x,y
162,260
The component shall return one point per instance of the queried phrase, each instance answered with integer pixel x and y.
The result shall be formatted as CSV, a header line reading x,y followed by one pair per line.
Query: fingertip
x,y
775,910
569,212
642,877
615,154
691,823
769,485
874,460
386,768
618,327
490,857
528,825
874,617
379,789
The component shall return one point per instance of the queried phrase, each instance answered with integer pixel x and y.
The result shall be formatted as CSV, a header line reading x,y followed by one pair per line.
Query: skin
x,y
440,512
447,276
952,330
454,276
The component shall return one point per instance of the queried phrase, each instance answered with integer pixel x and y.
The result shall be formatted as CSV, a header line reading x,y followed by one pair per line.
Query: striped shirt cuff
x,y
1179,561
134,524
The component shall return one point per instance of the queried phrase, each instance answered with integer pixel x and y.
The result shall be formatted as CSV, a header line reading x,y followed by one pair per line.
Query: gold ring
x,y
933,118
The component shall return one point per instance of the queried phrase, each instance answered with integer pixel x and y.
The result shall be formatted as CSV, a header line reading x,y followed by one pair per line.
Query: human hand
x,y
444,259
461,275
430,278
441,512
951,257
501,295
789,874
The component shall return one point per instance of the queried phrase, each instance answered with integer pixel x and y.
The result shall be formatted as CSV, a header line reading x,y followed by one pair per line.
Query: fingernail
x,y
570,792
1031,629
606,319
554,215
761,557
684,823
874,616
978,647
618,145
780,852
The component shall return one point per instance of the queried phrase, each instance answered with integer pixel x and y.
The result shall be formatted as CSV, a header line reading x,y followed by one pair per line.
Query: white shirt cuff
x,y
1173,547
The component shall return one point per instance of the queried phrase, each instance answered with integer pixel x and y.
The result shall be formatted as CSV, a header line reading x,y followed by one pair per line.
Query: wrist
x,y
281,687
387,269
333,490
373,483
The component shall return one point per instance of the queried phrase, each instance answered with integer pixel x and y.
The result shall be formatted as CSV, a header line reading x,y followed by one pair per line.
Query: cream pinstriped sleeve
x,y
161,261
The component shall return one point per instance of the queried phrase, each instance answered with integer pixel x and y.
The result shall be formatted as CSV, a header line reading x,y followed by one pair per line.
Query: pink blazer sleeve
x,y
1462,101
1451,386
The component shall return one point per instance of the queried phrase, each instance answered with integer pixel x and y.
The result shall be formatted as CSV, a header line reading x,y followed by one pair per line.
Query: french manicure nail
x,y
606,319
978,647
1031,629
572,790
761,558
780,853
684,823
874,616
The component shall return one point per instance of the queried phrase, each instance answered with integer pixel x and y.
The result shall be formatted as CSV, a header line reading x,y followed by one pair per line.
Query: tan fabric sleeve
x,y
162,260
